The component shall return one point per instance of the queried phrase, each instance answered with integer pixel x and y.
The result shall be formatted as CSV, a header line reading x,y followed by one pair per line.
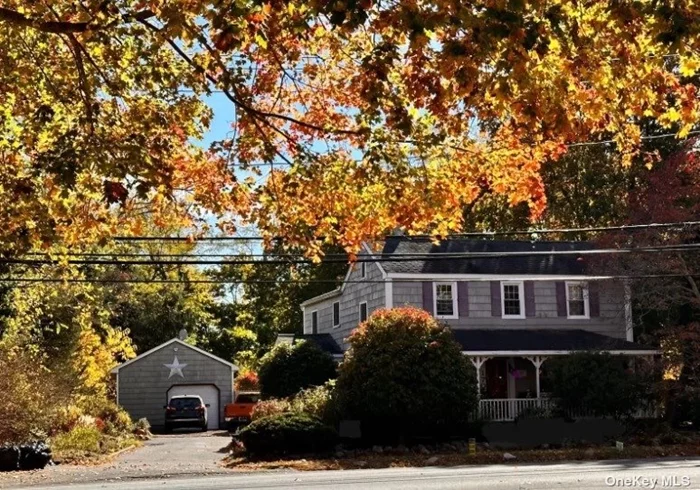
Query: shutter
x,y
463,299
428,297
594,299
561,298
529,298
496,298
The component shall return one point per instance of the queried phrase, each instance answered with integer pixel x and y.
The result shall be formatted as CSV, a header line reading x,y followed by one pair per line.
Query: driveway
x,y
164,456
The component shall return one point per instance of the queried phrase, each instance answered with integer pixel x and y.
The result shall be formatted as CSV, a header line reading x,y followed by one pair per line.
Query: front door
x,y
496,378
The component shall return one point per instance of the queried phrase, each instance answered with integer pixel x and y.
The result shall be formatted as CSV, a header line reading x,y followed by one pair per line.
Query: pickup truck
x,y
239,412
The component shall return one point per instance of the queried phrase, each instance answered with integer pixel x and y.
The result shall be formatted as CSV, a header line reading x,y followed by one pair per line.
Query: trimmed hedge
x,y
597,383
405,377
287,433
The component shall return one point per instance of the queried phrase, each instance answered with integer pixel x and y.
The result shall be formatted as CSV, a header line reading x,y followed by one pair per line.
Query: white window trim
x,y
359,312
521,296
311,330
335,325
455,302
586,301
363,269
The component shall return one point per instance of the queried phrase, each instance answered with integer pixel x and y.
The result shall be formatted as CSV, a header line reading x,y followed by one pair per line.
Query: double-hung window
x,y
314,322
445,300
577,305
363,312
512,297
336,314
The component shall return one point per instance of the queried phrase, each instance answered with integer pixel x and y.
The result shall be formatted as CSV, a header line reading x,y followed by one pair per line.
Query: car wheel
x,y
167,429
204,428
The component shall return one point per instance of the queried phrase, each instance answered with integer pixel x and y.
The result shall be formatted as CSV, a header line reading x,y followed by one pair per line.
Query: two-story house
x,y
510,304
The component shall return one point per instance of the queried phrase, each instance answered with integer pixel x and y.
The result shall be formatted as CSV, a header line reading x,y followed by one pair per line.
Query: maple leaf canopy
x,y
367,115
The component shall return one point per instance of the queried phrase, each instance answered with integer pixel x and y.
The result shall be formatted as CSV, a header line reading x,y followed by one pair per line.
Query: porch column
x,y
537,361
478,361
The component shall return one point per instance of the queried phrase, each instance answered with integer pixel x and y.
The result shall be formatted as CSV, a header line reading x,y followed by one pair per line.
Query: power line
x,y
302,281
378,258
545,231
568,145
374,257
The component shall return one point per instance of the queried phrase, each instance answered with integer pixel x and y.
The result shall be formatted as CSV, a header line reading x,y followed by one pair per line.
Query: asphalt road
x,y
587,475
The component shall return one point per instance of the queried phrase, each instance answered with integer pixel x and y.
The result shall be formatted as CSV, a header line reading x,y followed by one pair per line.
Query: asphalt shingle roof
x,y
475,340
538,264
324,340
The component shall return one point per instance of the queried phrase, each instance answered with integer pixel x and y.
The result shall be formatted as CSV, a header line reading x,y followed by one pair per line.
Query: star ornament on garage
x,y
175,368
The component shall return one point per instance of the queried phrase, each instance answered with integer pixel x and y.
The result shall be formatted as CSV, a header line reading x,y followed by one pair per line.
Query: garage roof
x,y
177,341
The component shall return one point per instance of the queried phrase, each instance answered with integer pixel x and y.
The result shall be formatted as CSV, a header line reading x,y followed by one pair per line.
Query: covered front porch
x,y
511,365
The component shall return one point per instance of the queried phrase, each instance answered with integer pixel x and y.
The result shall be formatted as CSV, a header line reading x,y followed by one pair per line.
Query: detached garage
x,y
146,383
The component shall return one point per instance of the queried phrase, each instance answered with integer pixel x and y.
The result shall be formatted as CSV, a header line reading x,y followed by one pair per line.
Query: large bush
x,y
286,370
287,433
319,401
597,383
405,373
31,395
273,406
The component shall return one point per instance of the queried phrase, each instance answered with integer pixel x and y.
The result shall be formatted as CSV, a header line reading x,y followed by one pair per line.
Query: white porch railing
x,y
507,409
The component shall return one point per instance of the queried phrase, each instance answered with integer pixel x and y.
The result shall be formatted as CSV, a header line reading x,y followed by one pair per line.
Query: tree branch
x,y
60,27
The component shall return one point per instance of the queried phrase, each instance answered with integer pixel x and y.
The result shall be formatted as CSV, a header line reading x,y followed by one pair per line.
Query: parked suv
x,y
186,411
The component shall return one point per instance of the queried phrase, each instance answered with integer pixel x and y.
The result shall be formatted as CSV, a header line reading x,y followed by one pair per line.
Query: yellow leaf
x,y
689,66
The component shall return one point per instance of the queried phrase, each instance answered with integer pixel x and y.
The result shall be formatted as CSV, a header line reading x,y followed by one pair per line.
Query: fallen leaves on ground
x,y
373,460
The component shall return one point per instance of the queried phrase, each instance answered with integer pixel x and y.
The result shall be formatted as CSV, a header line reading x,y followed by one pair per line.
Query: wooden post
x,y
537,361
478,361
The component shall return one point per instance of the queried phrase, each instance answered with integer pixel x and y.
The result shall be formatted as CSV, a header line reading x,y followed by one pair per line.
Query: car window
x,y
247,398
184,403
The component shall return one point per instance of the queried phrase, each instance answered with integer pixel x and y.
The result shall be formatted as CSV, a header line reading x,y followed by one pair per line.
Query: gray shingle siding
x,y
610,322
143,384
352,296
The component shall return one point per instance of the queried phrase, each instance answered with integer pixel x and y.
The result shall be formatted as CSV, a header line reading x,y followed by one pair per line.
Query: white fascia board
x,y
519,353
174,341
493,277
367,249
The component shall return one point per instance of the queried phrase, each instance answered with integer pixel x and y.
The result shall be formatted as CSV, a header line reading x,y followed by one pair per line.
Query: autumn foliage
x,y
366,115
247,382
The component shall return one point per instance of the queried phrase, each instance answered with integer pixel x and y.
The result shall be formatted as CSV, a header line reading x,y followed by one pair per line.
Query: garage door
x,y
209,394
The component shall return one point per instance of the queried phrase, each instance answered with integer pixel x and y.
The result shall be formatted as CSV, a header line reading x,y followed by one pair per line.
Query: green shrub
x,y
287,433
595,383
273,406
319,401
404,375
286,370
82,439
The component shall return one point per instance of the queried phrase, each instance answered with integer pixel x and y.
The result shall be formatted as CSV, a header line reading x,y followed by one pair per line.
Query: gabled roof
x,y
338,291
174,341
540,341
571,265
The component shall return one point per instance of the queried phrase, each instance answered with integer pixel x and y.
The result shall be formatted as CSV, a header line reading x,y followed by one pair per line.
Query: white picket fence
x,y
507,409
